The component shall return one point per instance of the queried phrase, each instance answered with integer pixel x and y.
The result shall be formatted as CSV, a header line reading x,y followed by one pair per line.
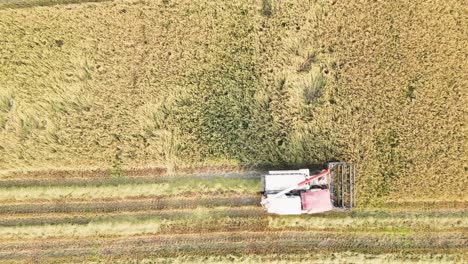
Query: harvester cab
x,y
292,192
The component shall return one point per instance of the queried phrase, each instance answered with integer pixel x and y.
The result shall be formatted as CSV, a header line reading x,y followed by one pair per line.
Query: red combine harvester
x,y
292,192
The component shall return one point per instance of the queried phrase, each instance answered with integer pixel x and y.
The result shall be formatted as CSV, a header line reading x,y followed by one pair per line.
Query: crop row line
x,y
177,187
118,180
240,243
131,205
354,220
83,219
128,172
206,222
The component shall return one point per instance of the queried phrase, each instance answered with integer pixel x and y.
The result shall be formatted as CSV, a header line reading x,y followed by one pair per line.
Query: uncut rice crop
x,y
249,83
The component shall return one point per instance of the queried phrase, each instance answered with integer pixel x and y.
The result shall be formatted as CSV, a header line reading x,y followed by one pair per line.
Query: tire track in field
x,y
90,180
261,243
183,201
206,171
171,214
171,188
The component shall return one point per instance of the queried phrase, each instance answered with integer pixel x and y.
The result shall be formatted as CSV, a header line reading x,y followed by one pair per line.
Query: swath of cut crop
x,y
130,205
172,214
118,180
232,185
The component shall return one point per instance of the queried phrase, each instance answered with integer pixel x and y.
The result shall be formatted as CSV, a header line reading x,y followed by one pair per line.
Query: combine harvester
x,y
293,192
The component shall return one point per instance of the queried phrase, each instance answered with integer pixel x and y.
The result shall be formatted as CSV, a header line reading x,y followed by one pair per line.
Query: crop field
x,y
135,131
177,84
213,218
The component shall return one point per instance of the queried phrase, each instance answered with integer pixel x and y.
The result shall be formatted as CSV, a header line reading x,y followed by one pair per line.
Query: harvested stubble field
x,y
217,220
118,119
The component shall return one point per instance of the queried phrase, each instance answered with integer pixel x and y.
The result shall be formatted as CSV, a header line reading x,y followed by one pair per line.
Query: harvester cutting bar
x,y
296,186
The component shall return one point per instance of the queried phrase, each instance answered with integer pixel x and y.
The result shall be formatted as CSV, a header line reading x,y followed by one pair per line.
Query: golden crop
x,y
276,83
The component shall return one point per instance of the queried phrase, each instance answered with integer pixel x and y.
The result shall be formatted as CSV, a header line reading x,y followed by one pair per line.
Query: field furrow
x,y
109,180
177,187
241,243
184,200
